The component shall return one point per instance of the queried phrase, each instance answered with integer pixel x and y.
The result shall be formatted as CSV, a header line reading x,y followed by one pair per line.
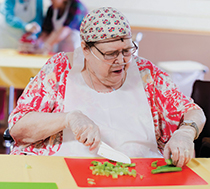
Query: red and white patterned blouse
x,y
46,93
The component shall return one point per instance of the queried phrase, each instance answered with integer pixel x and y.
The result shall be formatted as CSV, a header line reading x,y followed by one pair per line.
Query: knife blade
x,y
108,152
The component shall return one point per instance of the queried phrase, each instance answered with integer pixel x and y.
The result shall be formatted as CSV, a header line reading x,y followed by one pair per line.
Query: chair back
x,y
201,96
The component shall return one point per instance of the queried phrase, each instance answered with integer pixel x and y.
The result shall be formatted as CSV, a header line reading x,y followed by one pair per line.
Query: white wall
x,y
167,14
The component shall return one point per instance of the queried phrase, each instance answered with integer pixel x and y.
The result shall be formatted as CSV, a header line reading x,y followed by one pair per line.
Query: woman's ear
x,y
85,48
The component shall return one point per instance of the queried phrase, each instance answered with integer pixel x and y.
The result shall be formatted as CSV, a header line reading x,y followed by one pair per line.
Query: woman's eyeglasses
x,y
114,54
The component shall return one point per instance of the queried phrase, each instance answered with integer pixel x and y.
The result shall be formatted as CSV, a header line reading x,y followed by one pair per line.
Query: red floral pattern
x,y
46,93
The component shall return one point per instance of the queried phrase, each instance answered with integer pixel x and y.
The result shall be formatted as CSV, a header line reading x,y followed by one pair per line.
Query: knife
x,y
108,152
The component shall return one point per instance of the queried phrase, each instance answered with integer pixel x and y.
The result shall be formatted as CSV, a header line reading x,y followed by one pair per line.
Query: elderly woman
x,y
102,92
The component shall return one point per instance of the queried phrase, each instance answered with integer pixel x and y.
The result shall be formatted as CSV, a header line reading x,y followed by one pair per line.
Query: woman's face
x,y
58,3
109,72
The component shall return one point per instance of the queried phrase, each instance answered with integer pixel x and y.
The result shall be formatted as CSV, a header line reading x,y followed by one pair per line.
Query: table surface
x,y
16,69
54,169
12,58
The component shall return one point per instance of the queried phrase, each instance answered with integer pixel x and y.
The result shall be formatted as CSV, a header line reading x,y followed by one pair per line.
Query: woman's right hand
x,y
84,129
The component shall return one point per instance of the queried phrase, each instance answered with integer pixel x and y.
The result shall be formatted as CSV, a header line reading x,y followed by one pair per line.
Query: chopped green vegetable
x,y
128,165
94,162
132,165
141,177
27,166
165,169
91,182
109,169
154,163
90,179
112,161
119,163
133,173
169,161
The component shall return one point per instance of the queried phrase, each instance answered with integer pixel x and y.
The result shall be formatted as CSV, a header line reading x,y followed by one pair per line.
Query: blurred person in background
x,y
18,17
60,30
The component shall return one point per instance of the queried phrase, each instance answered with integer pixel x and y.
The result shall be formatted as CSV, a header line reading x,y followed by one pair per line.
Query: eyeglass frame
x,y
92,44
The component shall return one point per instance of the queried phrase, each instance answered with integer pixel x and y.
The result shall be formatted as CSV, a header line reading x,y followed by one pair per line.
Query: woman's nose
x,y
120,59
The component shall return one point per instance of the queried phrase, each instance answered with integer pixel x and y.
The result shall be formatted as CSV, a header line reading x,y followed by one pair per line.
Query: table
x,y
54,169
16,69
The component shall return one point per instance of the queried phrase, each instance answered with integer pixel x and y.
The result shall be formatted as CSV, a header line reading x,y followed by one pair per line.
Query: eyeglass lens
x,y
125,52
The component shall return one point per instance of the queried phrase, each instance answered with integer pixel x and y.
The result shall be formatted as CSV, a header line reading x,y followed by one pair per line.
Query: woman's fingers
x,y
180,146
179,156
167,152
95,143
175,155
89,135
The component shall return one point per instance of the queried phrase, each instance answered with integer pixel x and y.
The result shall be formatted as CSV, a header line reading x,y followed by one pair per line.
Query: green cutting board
x,y
27,185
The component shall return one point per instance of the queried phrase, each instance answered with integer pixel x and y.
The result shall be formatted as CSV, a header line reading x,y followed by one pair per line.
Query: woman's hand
x,y
84,129
33,27
43,48
180,148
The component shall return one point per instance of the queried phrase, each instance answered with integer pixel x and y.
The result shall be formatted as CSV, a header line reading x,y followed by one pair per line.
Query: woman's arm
x,y
57,36
36,126
170,108
40,41
10,16
39,12
38,111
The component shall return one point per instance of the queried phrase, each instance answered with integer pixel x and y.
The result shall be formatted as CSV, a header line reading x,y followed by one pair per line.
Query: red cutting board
x,y
80,171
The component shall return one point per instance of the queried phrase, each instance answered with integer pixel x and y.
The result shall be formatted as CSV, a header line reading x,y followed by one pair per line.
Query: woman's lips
x,y
118,71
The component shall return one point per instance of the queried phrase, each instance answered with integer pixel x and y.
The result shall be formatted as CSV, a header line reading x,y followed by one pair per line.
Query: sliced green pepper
x,y
154,163
165,169
169,161
107,169
94,163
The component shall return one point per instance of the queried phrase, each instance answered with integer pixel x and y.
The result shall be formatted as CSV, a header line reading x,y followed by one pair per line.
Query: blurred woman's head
x,y
58,4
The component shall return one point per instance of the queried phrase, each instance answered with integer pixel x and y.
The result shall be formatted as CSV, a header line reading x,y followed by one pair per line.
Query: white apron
x,y
72,41
123,116
58,23
9,35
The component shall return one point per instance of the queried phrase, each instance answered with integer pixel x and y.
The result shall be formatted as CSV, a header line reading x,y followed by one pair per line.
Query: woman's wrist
x,y
71,118
191,126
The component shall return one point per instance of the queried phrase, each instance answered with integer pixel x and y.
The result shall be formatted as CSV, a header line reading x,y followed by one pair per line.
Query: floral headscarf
x,y
104,23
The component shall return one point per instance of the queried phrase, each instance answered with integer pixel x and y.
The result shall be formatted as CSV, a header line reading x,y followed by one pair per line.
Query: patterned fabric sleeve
x,y
76,14
8,11
167,103
45,93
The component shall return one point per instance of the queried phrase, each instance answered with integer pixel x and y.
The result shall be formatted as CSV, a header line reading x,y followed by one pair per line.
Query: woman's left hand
x,y
180,148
